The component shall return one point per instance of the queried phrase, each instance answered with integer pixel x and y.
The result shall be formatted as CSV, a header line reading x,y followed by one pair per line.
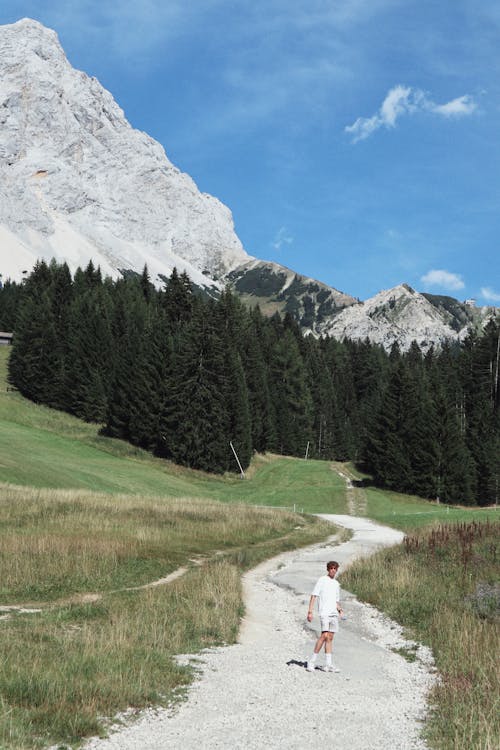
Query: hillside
x,y
42,447
46,448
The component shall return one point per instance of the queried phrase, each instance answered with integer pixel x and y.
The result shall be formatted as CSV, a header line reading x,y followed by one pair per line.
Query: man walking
x,y
327,591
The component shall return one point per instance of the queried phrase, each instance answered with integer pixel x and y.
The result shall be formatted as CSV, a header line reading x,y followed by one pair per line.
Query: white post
x,y
307,450
237,459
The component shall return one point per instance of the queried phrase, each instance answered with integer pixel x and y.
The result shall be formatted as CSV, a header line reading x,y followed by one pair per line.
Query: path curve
x,y
257,693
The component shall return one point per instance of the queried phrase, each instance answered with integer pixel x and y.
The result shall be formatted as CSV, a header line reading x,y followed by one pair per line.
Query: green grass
x,y
407,512
54,543
42,447
83,657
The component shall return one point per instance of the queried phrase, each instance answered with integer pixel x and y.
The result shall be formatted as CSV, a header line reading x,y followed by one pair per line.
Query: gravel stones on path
x,y
257,694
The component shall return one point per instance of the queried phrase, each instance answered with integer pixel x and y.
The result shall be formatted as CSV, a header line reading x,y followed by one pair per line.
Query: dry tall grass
x,y
54,543
443,584
63,668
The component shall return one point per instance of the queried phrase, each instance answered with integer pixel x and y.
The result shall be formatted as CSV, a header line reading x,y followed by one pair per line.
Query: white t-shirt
x,y
328,592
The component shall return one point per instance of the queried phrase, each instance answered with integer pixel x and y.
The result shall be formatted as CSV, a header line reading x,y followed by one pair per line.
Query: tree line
x,y
184,375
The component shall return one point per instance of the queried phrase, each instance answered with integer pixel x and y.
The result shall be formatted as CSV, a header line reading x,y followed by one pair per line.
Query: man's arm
x,y
311,606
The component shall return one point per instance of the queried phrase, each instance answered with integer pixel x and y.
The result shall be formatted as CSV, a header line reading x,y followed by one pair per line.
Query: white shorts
x,y
329,623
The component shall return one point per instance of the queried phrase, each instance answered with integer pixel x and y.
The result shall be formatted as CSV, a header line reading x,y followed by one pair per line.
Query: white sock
x,y
328,660
312,659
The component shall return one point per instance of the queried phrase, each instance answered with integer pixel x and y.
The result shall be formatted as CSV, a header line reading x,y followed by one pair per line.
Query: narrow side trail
x,y
257,694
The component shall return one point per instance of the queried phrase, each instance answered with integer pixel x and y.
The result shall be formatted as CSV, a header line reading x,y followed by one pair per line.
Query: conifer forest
x,y
183,376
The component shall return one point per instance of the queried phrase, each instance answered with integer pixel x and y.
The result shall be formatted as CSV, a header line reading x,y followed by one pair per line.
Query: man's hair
x,y
332,564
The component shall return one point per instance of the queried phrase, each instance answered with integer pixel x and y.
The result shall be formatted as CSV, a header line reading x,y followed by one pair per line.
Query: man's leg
x,y
317,648
330,667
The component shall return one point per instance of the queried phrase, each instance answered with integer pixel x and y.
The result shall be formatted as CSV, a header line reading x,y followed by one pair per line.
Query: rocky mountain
x,y
78,182
399,315
402,315
276,288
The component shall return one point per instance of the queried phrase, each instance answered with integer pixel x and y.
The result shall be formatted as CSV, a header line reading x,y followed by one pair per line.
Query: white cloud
x,y
490,295
443,279
462,106
395,104
402,100
281,238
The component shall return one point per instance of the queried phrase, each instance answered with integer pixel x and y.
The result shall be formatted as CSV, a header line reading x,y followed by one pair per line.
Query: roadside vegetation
x,y
85,520
93,647
443,585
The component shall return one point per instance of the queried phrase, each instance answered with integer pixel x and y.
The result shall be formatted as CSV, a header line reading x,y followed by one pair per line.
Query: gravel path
x,y
257,693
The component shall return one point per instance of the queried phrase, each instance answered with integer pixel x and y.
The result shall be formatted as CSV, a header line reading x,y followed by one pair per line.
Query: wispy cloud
x,y
489,294
459,107
282,238
405,100
444,279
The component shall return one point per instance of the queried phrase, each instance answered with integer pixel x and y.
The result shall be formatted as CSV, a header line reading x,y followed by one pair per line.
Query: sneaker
x,y
332,668
310,666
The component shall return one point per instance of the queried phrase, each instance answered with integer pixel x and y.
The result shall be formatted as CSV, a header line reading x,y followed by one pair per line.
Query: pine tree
x,y
128,324
10,301
178,300
237,404
33,363
195,423
292,399
148,385
90,355
455,469
393,467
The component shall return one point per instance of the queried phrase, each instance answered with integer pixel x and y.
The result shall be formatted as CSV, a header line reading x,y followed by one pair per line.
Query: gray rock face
x,y
78,182
402,315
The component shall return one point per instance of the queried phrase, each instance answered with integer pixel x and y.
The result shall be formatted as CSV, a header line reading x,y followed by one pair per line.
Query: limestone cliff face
x,y
78,182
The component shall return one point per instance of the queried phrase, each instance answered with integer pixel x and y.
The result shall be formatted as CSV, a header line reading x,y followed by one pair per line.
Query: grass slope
x,y
42,447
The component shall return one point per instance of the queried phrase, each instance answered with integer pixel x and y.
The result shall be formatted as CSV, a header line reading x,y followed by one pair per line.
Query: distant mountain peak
x,y
276,288
401,315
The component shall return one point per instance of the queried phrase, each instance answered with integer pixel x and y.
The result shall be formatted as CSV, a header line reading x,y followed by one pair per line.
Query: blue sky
x,y
355,141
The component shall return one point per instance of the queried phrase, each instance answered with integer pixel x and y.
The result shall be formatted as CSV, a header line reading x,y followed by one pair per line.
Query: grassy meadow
x,y
96,644
86,520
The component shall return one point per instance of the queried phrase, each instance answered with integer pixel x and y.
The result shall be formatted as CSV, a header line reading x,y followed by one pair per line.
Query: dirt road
x,y
257,693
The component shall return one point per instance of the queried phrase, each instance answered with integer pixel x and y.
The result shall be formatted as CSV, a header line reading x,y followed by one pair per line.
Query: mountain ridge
x,y
79,183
